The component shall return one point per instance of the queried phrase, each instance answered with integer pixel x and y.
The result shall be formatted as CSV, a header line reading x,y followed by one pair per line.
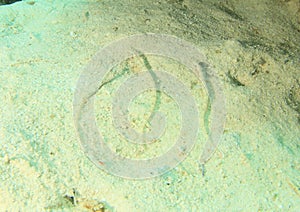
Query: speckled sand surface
x,y
254,49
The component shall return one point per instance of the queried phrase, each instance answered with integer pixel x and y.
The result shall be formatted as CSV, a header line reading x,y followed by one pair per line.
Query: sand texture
x,y
254,49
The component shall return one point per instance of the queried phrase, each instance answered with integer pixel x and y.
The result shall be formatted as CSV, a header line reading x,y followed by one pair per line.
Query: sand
x,y
254,49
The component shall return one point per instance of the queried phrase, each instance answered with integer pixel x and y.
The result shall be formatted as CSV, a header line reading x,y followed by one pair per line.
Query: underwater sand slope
x,y
253,47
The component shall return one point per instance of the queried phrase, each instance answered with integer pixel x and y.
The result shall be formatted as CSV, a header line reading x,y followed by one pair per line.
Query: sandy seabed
x,y
254,49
